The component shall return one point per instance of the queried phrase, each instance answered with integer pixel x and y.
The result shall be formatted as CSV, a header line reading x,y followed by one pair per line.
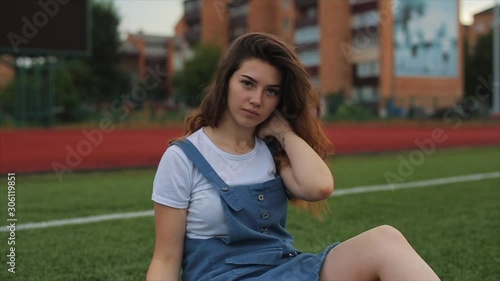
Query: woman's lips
x,y
251,112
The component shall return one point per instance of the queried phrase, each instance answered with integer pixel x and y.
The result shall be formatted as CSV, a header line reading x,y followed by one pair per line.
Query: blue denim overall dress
x,y
258,247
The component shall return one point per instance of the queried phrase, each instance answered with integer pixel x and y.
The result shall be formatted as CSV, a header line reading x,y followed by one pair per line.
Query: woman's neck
x,y
235,138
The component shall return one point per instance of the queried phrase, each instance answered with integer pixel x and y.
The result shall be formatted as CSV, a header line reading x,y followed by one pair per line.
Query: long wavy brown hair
x,y
299,102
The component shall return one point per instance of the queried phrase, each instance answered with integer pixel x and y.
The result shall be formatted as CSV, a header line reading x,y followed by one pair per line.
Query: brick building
x,y
482,24
7,70
346,45
141,52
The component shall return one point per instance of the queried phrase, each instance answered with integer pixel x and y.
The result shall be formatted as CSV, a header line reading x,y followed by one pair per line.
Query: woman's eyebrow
x,y
255,81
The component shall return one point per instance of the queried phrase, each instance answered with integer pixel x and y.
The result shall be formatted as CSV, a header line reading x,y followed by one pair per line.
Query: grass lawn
x,y
454,227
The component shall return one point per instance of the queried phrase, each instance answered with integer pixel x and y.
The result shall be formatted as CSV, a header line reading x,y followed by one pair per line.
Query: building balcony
x,y
236,3
193,16
313,70
192,37
364,6
368,75
236,31
305,3
364,53
369,81
370,29
307,35
307,47
305,22
190,5
237,21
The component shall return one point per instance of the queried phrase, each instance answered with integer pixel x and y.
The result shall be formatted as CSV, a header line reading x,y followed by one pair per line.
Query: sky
x,y
158,17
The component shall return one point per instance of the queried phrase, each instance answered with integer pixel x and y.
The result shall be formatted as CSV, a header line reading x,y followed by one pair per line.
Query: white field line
x,y
416,184
354,190
46,224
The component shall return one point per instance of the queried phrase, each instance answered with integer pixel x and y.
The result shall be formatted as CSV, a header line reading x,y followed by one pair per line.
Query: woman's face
x,y
254,93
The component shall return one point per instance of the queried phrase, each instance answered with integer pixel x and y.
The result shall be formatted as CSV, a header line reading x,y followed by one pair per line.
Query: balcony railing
x,y
305,3
305,22
237,21
193,16
313,70
364,6
307,47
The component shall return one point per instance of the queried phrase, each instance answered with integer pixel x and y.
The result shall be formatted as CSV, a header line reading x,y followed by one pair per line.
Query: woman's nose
x,y
256,99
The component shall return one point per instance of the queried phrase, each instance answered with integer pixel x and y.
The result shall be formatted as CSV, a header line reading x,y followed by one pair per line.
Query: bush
x,y
7,99
333,101
462,110
416,112
353,112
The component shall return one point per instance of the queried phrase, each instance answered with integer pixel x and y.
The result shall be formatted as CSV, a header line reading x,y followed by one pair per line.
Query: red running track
x,y
89,149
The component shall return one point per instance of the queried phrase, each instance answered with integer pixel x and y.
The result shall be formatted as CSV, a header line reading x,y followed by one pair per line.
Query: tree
x,y
479,68
196,74
94,79
104,63
36,85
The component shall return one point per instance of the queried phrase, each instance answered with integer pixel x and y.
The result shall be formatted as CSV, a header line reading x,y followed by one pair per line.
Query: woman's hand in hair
x,y
307,176
275,126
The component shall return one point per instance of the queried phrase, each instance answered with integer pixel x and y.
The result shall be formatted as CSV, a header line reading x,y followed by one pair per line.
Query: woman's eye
x,y
246,84
272,92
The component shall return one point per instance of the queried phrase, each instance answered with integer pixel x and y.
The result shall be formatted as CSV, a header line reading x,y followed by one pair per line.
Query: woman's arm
x,y
307,177
170,231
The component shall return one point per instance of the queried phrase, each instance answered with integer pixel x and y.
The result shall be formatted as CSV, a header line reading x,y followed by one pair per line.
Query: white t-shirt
x,y
179,184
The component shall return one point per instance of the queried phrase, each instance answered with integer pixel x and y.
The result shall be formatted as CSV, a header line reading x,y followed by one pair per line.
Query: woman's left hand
x,y
276,125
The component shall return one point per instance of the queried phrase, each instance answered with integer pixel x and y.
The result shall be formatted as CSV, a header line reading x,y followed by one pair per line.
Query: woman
x,y
221,191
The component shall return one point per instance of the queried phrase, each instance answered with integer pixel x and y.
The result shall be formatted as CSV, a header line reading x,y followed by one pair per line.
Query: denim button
x,y
264,230
265,215
261,197
224,188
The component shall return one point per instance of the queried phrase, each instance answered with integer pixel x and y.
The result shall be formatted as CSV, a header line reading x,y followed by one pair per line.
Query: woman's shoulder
x,y
192,138
173,156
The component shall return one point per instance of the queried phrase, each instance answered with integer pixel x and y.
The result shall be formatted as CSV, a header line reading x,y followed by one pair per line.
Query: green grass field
x,y
454,227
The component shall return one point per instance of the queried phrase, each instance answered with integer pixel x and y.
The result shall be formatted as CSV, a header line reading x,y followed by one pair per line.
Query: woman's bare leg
x,y
381,253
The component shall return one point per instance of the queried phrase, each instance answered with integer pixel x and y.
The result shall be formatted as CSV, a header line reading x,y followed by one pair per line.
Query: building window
x,y
311,13
366,19
178,62
368,69
365,40
239,11
309,58
366,94
192,5
195,27
237,31
189,54
308,34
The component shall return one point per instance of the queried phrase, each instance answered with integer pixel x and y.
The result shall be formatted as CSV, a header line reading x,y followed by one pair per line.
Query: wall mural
x,y
425,38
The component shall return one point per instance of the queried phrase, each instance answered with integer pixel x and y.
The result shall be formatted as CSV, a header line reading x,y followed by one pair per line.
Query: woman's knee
x,y
387,233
